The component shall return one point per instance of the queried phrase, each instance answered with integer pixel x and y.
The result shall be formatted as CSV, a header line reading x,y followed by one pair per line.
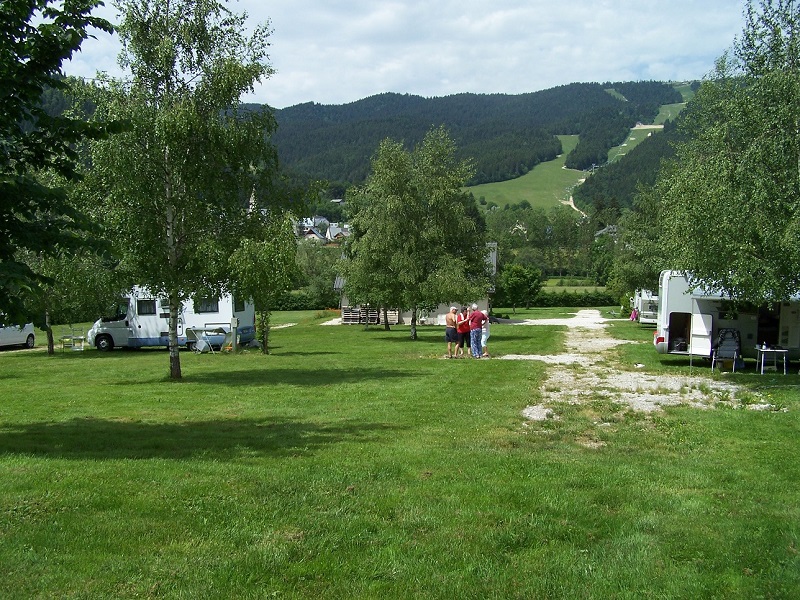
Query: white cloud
x,y
338,51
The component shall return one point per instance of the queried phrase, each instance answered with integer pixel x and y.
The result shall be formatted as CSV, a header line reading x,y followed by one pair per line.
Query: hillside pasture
x,y
669,112
545,186
635,137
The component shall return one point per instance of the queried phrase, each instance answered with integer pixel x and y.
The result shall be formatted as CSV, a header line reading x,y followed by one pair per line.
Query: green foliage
x,y
178,187
416,239
639,257
36,215
317,268
574,299
518,286
262,265
603,130
505,135
731,199
620,181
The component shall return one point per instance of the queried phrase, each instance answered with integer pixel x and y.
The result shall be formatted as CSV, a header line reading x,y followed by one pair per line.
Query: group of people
x,y
468,327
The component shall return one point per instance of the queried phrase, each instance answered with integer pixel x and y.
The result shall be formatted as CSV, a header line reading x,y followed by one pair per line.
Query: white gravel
x,y
585,372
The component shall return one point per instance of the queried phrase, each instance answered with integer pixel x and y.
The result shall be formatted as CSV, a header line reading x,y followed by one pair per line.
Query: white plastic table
x,y
763,354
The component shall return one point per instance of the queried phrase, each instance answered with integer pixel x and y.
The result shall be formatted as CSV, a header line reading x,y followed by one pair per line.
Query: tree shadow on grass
x,y
218,440
300,353
270,375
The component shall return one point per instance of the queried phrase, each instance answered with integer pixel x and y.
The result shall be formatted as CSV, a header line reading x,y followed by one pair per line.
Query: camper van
x,y
690,317
645,303
142,319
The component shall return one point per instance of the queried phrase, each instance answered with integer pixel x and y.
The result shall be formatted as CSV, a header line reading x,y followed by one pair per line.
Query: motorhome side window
x,y
238,305
146,307
207,305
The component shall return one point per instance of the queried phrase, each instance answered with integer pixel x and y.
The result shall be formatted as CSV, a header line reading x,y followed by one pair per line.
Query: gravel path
x,y
586,372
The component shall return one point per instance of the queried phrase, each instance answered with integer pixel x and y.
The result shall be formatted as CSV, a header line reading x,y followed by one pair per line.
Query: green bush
x,y
573,299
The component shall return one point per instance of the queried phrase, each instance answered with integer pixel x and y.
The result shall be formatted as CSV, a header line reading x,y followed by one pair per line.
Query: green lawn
x,y
355,463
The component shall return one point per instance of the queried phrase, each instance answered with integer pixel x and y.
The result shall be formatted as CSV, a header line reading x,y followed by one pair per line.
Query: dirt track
x,y
588,370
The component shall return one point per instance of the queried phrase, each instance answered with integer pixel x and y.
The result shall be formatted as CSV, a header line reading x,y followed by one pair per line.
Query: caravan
x,y
645,303
142,319
689,319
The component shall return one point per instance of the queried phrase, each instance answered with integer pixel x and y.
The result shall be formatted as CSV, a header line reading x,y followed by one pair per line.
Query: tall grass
x,y
355,463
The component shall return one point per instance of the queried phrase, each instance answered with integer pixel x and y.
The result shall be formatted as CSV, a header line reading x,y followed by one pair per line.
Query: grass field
x,y
355,463
635,137
669,112
544,186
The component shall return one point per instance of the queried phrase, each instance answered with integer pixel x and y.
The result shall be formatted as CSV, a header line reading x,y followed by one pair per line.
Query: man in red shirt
x,y
476,321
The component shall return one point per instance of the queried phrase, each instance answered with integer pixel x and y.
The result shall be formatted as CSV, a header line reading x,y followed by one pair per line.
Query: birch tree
x,y
262,267
416,238
730,202
177,187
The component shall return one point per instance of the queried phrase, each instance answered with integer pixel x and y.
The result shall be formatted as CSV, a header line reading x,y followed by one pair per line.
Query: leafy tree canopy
x,y
416,239
731,200
179,186
35,214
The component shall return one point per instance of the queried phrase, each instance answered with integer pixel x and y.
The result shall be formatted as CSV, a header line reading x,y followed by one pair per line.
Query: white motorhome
x,y
689,319
142,319
14,335
646,305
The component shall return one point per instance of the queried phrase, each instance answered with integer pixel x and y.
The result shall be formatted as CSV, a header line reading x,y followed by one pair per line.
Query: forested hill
x,y
506,135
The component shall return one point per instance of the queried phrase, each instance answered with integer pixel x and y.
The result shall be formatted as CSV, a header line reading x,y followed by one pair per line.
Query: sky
x,y
340,51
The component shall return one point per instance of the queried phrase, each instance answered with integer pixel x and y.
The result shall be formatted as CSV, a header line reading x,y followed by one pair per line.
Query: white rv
x,y
142,319
646,305
689,320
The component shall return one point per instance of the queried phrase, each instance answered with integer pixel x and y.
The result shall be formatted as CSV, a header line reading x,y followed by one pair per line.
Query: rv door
x,y
701,334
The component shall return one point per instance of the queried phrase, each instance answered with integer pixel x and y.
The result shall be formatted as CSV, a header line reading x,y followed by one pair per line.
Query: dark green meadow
x,y
355,463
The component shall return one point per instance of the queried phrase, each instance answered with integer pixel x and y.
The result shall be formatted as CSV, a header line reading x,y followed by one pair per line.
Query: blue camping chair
x,y
727,347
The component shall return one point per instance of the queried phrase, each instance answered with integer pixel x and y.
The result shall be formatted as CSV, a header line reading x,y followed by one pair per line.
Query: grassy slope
x,y
358,464
549,183
544,186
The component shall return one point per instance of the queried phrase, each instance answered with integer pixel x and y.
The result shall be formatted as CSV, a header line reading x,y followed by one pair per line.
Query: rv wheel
x,y
104,343
30,342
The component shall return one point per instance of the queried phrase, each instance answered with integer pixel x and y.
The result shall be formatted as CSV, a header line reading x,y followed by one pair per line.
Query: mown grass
x,y
355,463
545,186
634,138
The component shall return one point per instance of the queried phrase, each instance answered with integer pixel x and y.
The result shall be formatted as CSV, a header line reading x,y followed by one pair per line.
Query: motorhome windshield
x,y
120,312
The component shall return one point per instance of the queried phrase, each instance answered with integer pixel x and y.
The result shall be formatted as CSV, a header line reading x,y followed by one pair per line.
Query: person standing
x,y
462,326
476,321
485,338
450,332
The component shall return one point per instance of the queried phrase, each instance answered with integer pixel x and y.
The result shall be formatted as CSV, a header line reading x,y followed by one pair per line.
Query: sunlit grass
x,y
355,463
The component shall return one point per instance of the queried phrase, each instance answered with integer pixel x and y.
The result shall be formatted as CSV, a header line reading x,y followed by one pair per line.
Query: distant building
x,y
611,230
337,232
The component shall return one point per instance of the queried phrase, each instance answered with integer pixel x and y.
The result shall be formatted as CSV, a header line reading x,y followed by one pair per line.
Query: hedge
x,y
573,299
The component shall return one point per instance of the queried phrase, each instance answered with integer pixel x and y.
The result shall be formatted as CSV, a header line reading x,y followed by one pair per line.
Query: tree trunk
x,y
414,323
172,259
386,319
174,350
263,325
51,345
